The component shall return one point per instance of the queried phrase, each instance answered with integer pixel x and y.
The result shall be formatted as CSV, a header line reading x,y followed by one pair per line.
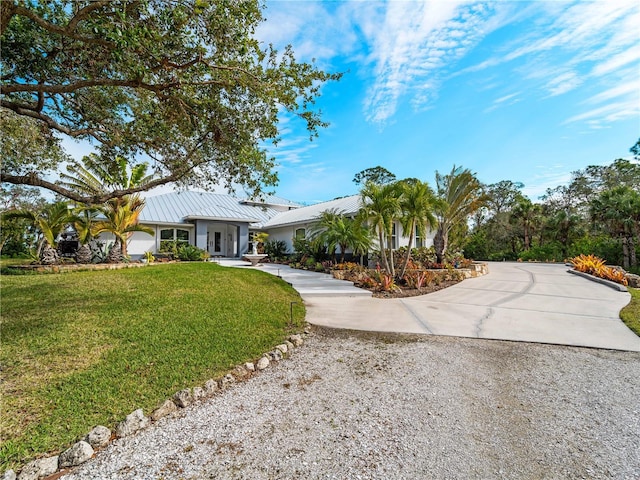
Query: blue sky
x,y
527,91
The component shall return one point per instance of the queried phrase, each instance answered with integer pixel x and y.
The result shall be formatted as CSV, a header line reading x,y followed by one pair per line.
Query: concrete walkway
x,y
540,303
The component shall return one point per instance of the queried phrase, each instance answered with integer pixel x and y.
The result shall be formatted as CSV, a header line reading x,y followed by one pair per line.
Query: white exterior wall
x,y
284,234
141,242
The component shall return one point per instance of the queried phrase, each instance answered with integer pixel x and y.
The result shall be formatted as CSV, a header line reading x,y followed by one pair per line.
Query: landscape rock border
x,y
100,436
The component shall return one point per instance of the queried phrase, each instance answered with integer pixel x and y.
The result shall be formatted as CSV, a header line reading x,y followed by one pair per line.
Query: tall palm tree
x,y
527,215
50,222
121,221
381,207
93,178
460,194
417,204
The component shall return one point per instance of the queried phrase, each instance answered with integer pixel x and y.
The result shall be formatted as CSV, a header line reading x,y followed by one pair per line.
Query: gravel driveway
x,y
352,405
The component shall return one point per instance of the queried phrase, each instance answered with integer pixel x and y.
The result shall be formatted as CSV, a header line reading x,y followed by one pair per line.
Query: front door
x,y
217,241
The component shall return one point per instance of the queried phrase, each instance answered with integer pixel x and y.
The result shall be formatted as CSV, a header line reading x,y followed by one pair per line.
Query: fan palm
x,y
619,210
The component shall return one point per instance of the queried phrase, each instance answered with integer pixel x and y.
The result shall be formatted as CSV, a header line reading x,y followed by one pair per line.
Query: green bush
x,y
190,253
276,249
550,252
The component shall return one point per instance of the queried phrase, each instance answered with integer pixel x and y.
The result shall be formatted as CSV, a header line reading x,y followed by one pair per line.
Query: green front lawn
x,y
87,348
630,314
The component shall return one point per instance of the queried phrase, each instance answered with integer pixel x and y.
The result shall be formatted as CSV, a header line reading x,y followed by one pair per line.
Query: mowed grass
x,y
630,314
87,348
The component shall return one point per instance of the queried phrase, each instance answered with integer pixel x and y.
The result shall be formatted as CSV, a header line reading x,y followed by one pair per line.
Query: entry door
x,y
217,241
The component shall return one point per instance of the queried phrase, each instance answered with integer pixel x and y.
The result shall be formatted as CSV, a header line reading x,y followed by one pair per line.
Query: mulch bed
x,y
414,292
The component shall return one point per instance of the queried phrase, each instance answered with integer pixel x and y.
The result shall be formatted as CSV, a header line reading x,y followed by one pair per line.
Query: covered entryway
x,y
222,240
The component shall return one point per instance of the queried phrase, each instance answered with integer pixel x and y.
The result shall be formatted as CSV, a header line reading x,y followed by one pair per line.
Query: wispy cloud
x,y
414,46
510,99
579,44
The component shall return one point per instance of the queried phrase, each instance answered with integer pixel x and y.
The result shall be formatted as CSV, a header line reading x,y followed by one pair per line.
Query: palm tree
x,y
84,220
619,210
93,178
460,194
527,214
334,229
417,204
50,222
121,220
381,207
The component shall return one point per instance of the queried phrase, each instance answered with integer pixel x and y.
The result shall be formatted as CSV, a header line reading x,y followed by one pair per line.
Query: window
x,y
170,235
301,234
419,240
394,240
217,241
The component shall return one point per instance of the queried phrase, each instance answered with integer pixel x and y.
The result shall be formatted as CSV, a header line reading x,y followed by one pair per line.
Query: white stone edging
x,y
100,436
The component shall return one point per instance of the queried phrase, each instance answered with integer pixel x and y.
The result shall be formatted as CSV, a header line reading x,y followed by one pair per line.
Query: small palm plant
x,y
121,220
50,223
84,220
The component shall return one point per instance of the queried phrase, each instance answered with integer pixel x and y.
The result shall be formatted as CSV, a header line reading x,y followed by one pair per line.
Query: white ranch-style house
x,y
224,225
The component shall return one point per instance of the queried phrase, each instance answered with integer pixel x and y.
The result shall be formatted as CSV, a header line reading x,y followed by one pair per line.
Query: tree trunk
x,y
383,254
115,254
408,256
83,254
49,255
625,253
440,244
633,260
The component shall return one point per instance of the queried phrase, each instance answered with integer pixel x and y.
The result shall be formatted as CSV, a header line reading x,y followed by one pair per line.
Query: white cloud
x,y
413,47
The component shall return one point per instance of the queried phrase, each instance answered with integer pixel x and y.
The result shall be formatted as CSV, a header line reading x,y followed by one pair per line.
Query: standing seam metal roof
x,y
347,205
178,206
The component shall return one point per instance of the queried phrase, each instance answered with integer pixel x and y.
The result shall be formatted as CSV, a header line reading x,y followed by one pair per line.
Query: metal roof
x,y
347,205
271,200
176,207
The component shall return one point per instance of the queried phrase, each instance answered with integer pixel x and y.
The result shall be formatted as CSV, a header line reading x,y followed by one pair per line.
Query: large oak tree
x,y
183,84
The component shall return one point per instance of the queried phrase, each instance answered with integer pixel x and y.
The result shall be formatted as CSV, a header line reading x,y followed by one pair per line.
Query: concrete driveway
x,y
521,302
525,302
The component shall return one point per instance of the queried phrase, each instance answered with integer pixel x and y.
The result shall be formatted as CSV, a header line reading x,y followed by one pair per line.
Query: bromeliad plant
x,y
596,266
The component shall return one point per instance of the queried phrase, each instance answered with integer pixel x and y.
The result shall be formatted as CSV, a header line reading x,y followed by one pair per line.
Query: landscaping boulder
x,y
226,381
289,345
183,398
39,468
263,363
296,340
275,355
9,475
198,393
163,410
79,453
98,437
633,280
210,387
132,423
283,348
250,367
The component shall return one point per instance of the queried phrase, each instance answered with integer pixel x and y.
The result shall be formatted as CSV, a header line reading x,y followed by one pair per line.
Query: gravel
x,y
352,405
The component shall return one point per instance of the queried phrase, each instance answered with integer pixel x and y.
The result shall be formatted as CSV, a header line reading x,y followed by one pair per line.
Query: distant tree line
x,y
598,212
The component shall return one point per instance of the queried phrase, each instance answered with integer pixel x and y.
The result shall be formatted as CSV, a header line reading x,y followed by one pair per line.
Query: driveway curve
x,y
525,302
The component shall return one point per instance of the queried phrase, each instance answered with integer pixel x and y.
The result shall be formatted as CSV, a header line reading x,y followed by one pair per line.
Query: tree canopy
x,y
182,84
